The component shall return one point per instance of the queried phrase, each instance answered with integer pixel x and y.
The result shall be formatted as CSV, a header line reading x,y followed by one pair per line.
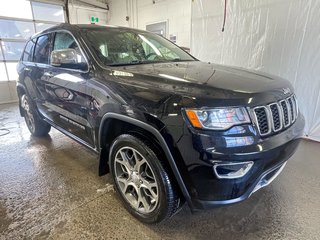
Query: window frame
x,y
32,50
54,32
50,48
53,35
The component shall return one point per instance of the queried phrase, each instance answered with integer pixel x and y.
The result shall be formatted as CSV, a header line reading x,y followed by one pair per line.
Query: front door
x,y
66,103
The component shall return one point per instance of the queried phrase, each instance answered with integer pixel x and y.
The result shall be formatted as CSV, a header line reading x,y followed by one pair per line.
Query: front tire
x,y
141,180
37,126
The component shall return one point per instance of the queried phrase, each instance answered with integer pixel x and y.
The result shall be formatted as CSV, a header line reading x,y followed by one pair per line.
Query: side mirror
x,y
67,58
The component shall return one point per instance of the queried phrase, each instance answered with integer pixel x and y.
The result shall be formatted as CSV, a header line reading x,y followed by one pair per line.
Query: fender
x,y
160,139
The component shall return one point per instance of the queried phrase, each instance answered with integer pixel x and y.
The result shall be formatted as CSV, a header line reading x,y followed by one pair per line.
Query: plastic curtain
x,y
281,37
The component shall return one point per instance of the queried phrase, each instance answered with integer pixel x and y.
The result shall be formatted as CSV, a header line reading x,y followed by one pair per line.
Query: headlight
x,y
217,118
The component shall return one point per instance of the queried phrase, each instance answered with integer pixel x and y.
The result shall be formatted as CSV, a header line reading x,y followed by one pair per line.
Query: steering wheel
x,y
151,54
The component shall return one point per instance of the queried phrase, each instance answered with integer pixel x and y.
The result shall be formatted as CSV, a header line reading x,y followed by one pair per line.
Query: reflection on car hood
x,y
197,80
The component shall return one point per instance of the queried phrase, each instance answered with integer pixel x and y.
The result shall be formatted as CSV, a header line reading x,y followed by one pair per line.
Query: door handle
x,y
48,74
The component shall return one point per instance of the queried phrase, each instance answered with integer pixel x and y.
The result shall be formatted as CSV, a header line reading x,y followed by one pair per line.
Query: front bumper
x,y
269,156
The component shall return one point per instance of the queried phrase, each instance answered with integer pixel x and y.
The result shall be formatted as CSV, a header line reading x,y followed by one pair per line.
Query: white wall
x,y
177,12
143,12
118,13
8,92
81,14
280,37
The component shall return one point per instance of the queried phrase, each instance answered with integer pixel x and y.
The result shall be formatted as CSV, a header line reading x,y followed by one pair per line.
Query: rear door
x,y
41,52
26,67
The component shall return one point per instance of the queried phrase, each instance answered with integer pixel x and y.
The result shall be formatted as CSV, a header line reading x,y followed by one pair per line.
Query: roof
x,y
77,27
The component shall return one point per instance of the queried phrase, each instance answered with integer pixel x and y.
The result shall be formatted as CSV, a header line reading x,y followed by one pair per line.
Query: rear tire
x,y
140,179
37,126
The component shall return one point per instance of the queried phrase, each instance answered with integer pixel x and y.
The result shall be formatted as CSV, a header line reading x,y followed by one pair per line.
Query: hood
x,y
207,84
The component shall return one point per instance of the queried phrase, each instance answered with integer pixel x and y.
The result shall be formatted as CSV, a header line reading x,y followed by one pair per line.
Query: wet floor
x,y
50,189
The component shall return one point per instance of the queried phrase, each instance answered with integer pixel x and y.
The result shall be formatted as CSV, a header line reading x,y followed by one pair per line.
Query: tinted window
x,y
64,40
42,51
28,51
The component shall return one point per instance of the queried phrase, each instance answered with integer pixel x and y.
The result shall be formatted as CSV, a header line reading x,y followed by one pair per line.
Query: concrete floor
x,y
49,189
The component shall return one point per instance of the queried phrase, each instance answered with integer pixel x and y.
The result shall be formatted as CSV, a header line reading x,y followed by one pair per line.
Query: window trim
x,y
77,42
53,32
50,48
32,53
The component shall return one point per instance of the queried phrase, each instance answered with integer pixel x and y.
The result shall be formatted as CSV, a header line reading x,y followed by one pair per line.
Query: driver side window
x,y
64,41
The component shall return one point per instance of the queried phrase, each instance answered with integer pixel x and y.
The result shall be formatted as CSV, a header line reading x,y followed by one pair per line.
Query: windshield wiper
x,y
135,62
181,60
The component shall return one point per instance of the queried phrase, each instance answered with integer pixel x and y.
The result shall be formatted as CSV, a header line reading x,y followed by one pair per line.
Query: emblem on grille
x,y
286,91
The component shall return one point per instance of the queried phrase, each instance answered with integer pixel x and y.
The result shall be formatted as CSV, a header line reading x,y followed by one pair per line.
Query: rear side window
x,y
64,40
42,50
28,51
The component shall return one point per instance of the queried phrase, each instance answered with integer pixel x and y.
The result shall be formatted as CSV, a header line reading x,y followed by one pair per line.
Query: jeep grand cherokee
x,y
169,128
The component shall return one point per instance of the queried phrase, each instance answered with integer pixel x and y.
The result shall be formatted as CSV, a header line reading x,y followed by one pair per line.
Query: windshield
x,y
115,47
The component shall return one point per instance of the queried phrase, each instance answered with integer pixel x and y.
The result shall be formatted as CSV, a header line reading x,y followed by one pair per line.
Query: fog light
x,y
231,170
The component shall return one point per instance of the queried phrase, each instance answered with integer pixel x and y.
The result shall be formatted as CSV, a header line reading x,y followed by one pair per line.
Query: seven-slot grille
x,y
276,116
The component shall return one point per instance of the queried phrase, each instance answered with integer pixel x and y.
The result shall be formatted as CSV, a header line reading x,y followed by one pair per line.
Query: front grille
x,y
276,116
285,110
261,115
275,112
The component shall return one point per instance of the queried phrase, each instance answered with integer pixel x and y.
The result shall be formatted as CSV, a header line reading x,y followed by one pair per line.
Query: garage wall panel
x,y
144,12
118,13
281,37
177,12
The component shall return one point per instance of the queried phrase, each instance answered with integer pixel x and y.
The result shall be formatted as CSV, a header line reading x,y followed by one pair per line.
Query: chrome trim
x,y
284,122
268,120
292,115
296,104
269,115
280,116
237,174
218,108
263,183
294,111
289,111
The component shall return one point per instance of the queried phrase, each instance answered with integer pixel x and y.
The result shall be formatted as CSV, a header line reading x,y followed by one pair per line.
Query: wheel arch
x,y
120,124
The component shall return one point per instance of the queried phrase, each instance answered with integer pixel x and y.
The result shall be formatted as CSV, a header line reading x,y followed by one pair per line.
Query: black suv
x,y
169,128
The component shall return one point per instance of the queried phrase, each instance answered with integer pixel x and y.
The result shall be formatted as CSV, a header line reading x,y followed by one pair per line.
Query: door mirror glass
x,y
67,58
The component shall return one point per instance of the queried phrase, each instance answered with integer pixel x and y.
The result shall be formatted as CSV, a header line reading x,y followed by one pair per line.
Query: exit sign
x,y
94,19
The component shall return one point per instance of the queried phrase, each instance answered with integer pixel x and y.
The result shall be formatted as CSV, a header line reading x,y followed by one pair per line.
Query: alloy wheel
x,y
136,180
28,116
